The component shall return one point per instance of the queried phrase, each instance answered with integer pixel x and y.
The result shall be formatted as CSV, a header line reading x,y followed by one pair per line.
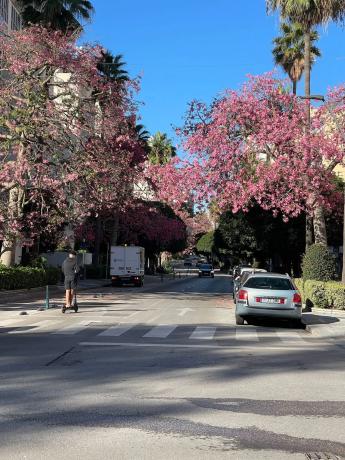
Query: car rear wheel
x,y
239,320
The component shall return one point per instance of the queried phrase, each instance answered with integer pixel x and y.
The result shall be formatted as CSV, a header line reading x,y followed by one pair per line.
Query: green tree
x,y
205,244
288,51
235,237
56,14
310,13
319,264
161,149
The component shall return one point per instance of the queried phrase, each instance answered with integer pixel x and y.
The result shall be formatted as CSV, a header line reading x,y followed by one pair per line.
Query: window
x,y
4,10
16,21
206,267
278,284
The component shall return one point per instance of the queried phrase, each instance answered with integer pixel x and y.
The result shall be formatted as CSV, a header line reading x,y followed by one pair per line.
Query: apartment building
x,y
9,15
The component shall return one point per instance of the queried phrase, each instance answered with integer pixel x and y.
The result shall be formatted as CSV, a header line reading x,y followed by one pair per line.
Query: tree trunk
x,y
319,218
343,274
7,253
308,231
307,71
98,238
294,87
320,232
115,230
10,244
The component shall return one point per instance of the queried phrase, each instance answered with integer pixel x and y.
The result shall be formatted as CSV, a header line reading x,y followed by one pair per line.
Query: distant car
x,y
187,263
270,295
237,269
206,270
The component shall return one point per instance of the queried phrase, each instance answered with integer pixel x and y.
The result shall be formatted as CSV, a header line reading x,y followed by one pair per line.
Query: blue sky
x,y
190,49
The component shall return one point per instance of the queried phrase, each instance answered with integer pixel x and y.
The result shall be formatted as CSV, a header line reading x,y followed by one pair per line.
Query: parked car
x,y
206,270
243,274
270,295
187,263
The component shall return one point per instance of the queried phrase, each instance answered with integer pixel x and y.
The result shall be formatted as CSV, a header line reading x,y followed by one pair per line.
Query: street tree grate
x,y
322,456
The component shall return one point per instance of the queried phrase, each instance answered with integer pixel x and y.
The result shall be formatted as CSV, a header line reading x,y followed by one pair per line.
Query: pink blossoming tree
x,y
254,146
68,146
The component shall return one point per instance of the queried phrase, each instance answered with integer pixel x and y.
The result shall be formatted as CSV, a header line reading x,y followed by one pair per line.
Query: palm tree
x,y
56,14
310,13
142,133
161,149
112,67
288,51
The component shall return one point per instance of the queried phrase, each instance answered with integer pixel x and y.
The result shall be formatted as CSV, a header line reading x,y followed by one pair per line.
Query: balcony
x,y
9,15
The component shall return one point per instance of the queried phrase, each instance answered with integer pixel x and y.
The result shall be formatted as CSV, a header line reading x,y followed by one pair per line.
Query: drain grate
x,y
322,456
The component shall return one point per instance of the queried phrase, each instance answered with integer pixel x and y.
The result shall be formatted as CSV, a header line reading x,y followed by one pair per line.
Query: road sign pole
x,y
47,297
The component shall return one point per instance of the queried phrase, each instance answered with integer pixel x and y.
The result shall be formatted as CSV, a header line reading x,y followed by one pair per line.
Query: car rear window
x,y
279,284
206,267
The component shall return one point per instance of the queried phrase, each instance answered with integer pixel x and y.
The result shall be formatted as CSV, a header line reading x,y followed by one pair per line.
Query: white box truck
x,y
127,264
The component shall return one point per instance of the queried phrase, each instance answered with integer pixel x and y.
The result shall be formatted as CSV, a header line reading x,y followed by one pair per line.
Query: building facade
x,y
9,15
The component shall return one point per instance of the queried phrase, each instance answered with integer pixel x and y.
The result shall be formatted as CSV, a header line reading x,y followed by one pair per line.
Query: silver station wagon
x,y
270,295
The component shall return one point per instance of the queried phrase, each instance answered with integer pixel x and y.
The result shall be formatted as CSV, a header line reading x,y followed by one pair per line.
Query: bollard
x,y
47,297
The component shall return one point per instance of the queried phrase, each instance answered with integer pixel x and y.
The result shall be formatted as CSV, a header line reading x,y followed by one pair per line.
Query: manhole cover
x,y
322,456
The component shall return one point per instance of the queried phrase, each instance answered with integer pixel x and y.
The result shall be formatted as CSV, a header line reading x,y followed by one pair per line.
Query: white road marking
x,y
237,349
161,331
203,333
74,328
183,311
154,319
35,327
289,336
116,331
9,322
246,334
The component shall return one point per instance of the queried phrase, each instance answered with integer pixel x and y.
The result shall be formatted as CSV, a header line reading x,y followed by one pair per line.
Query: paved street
x,y
164,373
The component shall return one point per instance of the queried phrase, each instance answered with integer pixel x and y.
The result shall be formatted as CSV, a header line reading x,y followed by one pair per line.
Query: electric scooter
x,y
74,305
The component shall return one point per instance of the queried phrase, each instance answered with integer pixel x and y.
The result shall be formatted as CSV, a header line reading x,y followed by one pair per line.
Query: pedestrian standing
x,y
70,269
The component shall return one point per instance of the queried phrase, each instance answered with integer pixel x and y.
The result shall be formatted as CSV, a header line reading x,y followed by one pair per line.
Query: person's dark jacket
x,y
70,268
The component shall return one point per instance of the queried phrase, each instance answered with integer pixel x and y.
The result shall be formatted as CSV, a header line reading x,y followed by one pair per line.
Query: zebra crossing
x,y
196,333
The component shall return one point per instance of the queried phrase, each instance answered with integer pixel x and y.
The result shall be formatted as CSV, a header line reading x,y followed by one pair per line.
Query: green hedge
x,y
318,264
27,277
321,294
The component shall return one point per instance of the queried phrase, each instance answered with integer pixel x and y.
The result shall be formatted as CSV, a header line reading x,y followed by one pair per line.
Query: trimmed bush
x,y
318,264
315,294
320,294
335,293
27,277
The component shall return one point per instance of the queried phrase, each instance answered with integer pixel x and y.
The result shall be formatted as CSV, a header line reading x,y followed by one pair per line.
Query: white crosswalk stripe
x,y
73,328
241,334
116,331
161,332
35,327
245,334
203,333
9,322
289,336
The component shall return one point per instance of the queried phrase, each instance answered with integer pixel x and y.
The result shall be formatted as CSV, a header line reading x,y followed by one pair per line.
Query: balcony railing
x,y
9,15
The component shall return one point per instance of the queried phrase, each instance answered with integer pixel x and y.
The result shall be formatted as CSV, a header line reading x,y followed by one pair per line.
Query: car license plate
x,y
269,300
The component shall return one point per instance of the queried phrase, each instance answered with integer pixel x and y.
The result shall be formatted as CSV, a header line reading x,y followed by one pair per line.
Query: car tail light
x,y
297,298
243,295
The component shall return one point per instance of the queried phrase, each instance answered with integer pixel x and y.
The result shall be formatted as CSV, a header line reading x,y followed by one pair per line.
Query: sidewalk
x,y
30,300
326,324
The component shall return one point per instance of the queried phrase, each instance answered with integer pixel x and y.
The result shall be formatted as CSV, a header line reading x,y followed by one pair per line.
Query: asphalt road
x,y
164,373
